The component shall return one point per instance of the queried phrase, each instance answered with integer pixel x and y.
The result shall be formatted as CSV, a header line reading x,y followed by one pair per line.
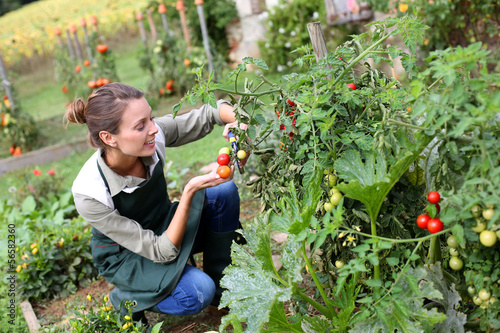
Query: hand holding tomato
x,y
209,180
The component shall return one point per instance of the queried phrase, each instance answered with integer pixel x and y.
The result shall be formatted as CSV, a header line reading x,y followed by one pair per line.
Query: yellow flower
x,y
107,317
25,265
25,256
35,250
89,297
127,325
351,239
33,245
18,269
106,308
403,7
127,318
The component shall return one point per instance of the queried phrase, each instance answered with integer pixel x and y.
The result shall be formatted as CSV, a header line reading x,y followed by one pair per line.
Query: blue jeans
x,y
195,289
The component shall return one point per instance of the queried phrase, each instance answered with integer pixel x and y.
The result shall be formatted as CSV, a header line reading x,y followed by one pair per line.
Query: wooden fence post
x,y
318,42
70,45
6,84
142,31
204,33
78,49
162,9
152,27
83,23
181,8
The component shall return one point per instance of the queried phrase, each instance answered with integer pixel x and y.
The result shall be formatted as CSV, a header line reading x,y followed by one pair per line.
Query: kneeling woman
x,y
141,240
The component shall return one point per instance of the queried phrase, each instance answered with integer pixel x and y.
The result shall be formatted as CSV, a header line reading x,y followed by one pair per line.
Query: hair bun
x,y
75,113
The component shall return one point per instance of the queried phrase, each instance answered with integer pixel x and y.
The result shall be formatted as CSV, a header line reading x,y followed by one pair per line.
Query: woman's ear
x,y
107,138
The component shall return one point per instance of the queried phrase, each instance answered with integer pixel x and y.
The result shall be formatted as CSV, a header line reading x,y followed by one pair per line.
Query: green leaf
x,y
278,322
29,205
404,311
371,180
251,288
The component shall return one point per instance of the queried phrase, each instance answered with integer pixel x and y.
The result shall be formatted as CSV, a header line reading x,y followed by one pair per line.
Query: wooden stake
x,y
142,30
204,33
318,42
87,42
152,27
77,46
70,45
29,315
6,84
162,9
181,8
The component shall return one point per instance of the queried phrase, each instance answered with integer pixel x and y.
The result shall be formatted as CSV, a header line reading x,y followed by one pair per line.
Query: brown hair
x,y
103,110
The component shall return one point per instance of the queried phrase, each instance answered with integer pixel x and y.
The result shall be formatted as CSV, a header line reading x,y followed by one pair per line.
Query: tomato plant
x,y
389,143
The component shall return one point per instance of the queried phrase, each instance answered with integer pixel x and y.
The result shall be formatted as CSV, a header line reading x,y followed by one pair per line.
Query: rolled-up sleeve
x,y
190,126
126,232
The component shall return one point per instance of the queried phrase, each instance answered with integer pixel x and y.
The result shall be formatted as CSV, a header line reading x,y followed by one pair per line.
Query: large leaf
x,y
405,311
370,181
252,291
450,301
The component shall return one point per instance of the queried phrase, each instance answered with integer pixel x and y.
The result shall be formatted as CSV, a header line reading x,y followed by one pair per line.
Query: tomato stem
x,y
400,123
316,280
402,272
408,240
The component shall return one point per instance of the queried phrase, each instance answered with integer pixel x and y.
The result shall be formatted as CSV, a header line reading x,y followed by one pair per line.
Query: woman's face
x,y
136,136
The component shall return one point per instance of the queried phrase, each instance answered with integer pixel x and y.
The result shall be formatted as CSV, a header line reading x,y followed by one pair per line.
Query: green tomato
x,y
452,242
339,264
484,294
488,213
488,238
453,252
477,300
471,290
335,198
476,211
241,154
456,263
328,207
224,150
480,226
332,180
334,190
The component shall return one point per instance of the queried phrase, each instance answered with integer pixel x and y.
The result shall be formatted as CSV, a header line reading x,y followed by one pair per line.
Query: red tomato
x,y
434,225
422,221
223,159
433,197
352,86
223,171
102,48
292,104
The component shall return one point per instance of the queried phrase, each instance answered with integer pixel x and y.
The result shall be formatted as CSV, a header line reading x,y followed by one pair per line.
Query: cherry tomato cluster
x,y
334,194
223,160
425,221
455,262
291,114
482,215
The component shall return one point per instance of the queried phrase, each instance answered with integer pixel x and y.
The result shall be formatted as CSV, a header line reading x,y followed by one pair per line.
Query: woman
x,y
141,240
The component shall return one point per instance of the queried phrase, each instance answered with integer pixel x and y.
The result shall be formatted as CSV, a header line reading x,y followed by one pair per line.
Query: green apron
x,y
138,279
